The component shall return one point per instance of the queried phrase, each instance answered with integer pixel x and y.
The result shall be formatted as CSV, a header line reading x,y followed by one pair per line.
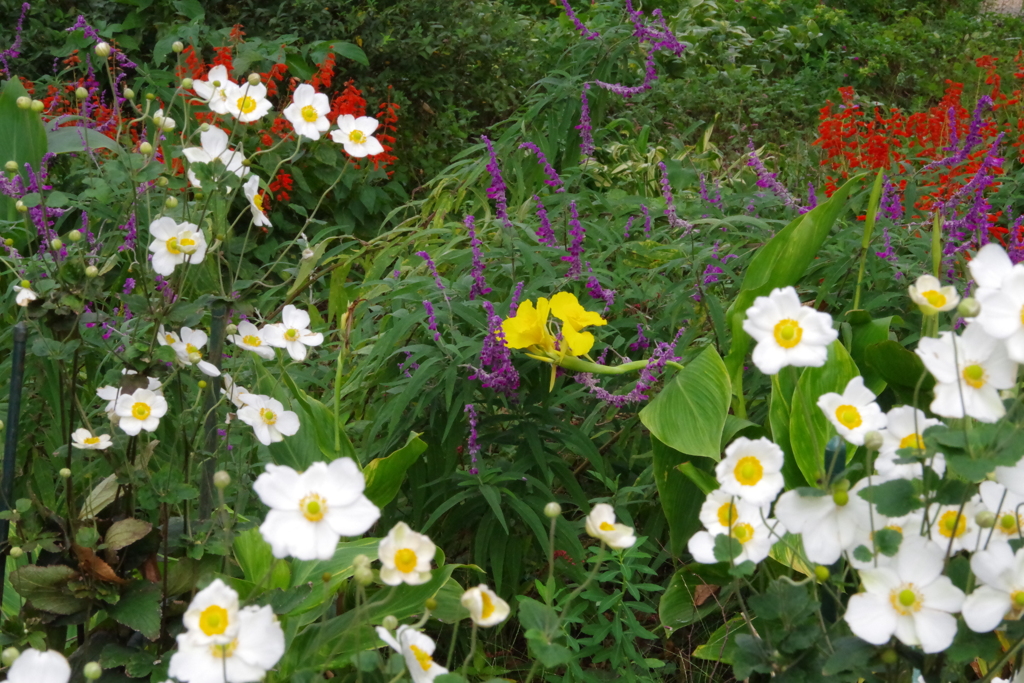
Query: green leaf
x,y
256,560
849,654
124,532
45,588
139,609
689,413
704,481
902,370
449,603
680,496
351,51
535,615
888,541
779,411
721,646
809,429
864,332
24,137
782,263
678,607
862,553
78,139
892,498
384,476
550,654
727,548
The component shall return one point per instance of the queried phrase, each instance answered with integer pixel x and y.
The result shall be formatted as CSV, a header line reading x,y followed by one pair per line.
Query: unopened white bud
x,y
75,235
23,102
16,552
552,510
873,440
20,206
204,127
254,79
969,308
171,202
9,655
56,244
222,479
390,622
363,576
81,93
102,50
177,46
146,148
38,106
64,473
232,329
11,166
92,671
92,271
129,94
186,84
307,254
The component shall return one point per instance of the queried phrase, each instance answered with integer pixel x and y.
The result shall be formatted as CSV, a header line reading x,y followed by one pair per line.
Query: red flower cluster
x,y
388,117
324,74
350,102
281,186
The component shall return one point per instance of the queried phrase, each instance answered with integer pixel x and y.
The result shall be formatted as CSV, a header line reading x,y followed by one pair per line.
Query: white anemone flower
x,y
752,470
268,418
989,268
251,339
34,666
110,394
854,412
954,528
485,607
214,146
787,333
251,188
405,556
725,514
189,351
140,411
246,659
174,244
312,510
165,338
234,391
293,334
1002,316
1008,508
212,616
910,599
903,429
163,122
23,296
214,90
601,525
969,371
829,524
308,112
417,649
247,102
83,439
1001,595
356,135
929,294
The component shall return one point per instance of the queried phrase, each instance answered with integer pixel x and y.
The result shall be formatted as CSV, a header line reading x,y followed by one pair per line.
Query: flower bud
x,y
129,94
146,148
363,576
171,202
25,284
969,308
102,50
204,127
150,97
23,102
222,479
841,498
247,162
986,519
390,622
20,206
9,242
889,656
177,46
92,671
38,106
186,84
162,181
430,604
11,166
194,357
16,552
254,79
9,655
873,440
202,384
56,244
216,84
199,195
1,424
233,329
92,271
360,561
552,510
167,125
81,93
75,235
64,473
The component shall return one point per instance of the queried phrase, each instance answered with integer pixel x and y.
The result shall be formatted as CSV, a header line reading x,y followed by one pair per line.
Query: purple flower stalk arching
x,y
595,290
663,353
473,445
674,220
497,189
768,180
642,342
432,320
554,180
970,141
14,51
577,232
496,370
479,286
650,75
545,235
647,219
513,305
586,33
629,226
585,128
433,271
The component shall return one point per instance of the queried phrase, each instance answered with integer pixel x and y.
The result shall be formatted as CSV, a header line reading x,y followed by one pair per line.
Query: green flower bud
x,y
889,656
75,235
841,498
552,510
162,181
171,202
969,308
102,50
326,577
16,552
361,561
873,440
186,84
390,622
202,384
204,127
20,206
9,242
222,479
38,106
363,576
985,519
254,79
150,97
23,102
232,329
246,162
177,46
56,244
199,195
11,166
430,604
9,655
822,573
129,94
92,671
92,271
25,284
81,93
146,148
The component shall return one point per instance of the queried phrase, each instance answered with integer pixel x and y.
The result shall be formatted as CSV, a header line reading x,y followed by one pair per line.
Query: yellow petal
x,y
579,343
522,330
566,307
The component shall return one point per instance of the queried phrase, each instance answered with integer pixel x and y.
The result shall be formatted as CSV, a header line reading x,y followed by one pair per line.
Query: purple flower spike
x,y
554,180
585,128
479,286
545,235
473,446
496,370
577,232
768,180
497,189
432,320
670,206
586,33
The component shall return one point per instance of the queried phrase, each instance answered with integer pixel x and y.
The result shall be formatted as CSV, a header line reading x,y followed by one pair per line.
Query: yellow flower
x,y
529,327
567,308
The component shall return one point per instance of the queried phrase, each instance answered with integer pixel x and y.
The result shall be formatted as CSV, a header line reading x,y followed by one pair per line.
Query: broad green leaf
x,y
79,139
809,429
902,370
23,139
384,476
449,603
680,497
139,609
864,331
781,263
705,481
678,607
778,418
689,413
721,646
257,561
46,588
893,498
124,532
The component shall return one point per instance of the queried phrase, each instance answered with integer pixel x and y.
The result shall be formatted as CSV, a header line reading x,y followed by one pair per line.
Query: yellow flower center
x,y
92,440
742,532
224,651
952,524
291,335
189,348
140,411
912,441
169,338
974,375
848,416
1018,599
936,299
188,245
405,560
309,114
251,340
488,608
357,137
605,526
1010,523
748,471
788,333
268,416
1022,315
313,507
425,660
727,514
906,600
213,620
172,246
257,201
246,104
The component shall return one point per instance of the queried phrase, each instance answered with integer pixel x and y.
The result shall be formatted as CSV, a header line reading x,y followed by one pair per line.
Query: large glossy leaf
x,y
689,413
139,609
809,429
78,139
902,370
681,498
779,411
23,137
863,332
691,596
781,263
384,476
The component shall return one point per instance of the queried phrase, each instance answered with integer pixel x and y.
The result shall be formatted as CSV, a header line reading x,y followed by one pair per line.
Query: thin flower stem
x,y
936,242
451,646
472,649
869,228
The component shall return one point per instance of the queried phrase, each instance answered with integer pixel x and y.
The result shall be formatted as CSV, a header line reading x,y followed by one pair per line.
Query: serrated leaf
x,y
123,533
892,498
139,608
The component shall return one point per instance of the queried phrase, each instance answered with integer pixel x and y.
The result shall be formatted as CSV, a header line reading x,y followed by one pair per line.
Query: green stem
x,y
577,365
869,228
936,243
